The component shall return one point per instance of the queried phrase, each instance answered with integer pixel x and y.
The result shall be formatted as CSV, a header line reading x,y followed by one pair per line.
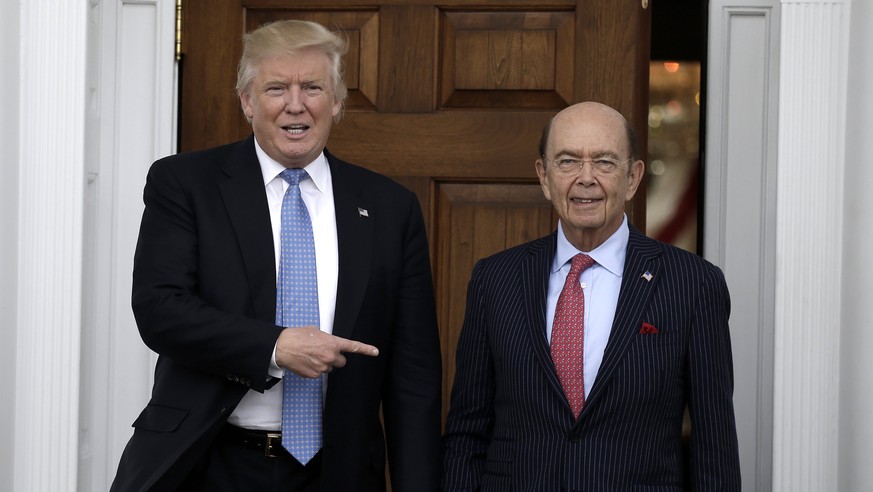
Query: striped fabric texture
x,y
510,427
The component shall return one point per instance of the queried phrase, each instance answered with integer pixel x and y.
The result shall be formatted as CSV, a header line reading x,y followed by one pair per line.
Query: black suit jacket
x,y
510,426
204,298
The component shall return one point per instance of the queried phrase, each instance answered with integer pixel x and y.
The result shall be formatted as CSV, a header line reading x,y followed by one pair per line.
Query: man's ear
x,y
544,178
246,104
336,109
635,177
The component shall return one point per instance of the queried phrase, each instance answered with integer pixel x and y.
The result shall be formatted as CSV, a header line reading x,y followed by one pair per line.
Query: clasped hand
x,y
310,352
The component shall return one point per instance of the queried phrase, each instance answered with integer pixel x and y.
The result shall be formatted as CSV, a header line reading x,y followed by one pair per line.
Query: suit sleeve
x,y
412,403
177,260
714,449
471,417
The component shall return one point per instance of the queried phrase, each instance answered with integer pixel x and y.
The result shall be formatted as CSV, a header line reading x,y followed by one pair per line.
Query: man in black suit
x,y
580,382
205,299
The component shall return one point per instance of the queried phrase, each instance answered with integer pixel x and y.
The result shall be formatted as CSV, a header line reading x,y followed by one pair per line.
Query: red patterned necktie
x,y
568,335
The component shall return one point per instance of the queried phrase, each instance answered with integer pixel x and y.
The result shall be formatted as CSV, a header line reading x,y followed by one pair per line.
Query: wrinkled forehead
x,y
298,62
588,130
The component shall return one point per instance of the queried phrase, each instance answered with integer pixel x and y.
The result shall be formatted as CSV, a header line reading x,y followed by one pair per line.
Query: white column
x,y
812,132
50,186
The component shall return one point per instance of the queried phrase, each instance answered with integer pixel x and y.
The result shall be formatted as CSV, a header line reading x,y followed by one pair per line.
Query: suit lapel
x,y
633,298
354,230
245,199
535,270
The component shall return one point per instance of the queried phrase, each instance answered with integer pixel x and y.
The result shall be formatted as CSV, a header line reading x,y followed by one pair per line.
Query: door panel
x,y
448,99
477,220
507,59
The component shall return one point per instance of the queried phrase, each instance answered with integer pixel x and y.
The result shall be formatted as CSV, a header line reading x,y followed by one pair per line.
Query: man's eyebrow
x,y
603,153
592,153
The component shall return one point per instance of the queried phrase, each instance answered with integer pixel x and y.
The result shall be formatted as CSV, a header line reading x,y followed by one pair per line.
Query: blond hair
x,y
288,37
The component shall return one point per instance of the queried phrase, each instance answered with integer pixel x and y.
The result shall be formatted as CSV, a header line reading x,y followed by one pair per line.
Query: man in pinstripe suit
x,y
655,339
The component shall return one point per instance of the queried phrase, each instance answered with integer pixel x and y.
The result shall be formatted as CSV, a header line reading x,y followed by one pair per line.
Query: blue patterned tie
x,y
297,305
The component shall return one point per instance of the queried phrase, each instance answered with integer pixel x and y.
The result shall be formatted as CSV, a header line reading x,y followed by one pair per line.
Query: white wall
x,y
856,378
9,95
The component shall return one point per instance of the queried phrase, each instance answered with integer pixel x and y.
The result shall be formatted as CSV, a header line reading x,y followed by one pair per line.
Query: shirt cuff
x,y
275,370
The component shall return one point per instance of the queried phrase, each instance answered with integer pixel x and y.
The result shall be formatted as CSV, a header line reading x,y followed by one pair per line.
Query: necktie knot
x,y
294,176
580,262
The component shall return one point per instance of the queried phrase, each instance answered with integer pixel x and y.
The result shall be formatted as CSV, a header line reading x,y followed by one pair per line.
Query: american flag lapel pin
x,y
648,276
362,212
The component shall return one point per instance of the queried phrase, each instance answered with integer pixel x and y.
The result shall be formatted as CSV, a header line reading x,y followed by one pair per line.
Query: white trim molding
x,y
131,123
740,207
774,183
52,160
812,134
856,337
10,56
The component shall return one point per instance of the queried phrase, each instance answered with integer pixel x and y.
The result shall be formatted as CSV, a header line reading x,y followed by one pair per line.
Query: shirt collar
x,y
609,255
270,169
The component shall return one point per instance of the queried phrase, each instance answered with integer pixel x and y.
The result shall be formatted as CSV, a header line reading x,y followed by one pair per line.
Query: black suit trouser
x,y
228,467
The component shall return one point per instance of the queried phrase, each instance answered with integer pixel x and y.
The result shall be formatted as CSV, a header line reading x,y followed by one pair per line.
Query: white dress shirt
x,y
601,283
264,411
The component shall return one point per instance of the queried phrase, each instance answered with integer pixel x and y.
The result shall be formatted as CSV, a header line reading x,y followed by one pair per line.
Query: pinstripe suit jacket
x,y
510,426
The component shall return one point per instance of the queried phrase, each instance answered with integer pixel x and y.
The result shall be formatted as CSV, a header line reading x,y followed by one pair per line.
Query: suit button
x,y
574,438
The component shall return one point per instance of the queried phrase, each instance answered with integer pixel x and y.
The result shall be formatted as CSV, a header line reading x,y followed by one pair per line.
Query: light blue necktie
x,y
297,305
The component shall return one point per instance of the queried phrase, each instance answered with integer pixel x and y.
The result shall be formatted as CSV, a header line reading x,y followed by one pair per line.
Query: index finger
x,y
356,347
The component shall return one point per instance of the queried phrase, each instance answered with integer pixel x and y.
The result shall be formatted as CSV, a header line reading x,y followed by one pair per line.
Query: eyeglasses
x,y
600,165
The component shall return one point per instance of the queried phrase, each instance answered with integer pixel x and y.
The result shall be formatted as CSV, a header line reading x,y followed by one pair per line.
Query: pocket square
x,y
648,329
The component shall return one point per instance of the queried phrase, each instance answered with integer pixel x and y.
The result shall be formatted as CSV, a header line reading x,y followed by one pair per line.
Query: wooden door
x,y
448,99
